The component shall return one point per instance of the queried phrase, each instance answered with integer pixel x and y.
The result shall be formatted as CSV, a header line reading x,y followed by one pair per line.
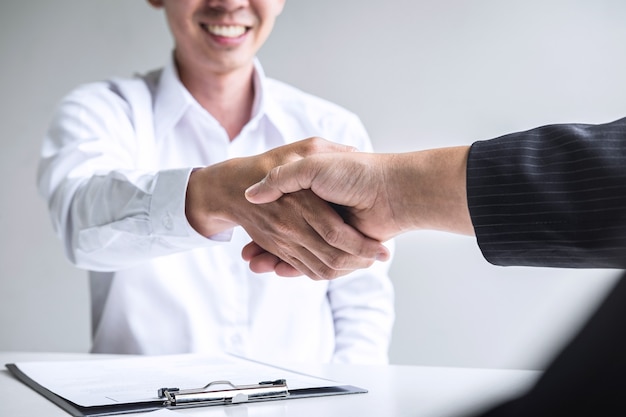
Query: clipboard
x,y
37,375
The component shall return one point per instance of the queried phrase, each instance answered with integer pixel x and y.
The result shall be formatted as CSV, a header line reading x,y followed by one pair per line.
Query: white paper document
x,y
137,379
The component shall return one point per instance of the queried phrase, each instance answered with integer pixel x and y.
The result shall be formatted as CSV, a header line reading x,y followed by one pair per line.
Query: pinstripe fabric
x,y
551,196
556,196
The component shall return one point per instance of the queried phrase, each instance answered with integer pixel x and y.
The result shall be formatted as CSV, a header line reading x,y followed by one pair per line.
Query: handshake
x,y
324,210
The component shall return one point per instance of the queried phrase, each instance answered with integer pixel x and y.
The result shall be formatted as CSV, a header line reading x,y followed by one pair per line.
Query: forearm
x,y
383,195
109,203
427,190
114,221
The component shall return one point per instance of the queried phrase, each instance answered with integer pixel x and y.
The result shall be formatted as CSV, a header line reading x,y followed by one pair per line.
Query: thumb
x,y
280,180
262,192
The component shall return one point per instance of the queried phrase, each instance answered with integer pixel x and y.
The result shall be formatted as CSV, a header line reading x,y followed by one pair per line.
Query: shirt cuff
x,y
167,209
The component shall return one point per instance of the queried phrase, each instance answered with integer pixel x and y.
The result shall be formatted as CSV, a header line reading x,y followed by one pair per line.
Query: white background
x,y
420,73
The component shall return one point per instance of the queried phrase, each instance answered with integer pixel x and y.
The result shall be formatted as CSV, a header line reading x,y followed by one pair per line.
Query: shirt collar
x,y
267,105
173,100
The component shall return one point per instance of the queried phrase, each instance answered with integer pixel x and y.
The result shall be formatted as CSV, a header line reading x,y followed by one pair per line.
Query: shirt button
x,y
168,222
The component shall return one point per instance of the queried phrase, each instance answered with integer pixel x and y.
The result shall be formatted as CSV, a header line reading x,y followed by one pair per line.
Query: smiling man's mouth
x,y
230,31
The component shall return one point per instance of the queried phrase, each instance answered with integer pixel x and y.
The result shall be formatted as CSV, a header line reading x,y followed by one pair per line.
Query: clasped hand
x,y
353,182
381,195
299,233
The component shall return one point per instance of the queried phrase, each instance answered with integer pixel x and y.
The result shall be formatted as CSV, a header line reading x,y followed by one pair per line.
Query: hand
x,y
357,182
326,176
381,195
302,233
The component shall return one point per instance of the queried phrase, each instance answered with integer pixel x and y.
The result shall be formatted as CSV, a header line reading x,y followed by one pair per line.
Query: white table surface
x,y
394,391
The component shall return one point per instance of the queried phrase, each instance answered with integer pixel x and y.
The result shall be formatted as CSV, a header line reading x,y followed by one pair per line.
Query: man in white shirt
x,y
145,181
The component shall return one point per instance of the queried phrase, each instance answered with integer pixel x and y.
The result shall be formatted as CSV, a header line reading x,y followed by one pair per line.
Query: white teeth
x,y
226,31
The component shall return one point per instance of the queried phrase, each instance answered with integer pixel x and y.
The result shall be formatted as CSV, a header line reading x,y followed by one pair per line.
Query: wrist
x,y
435,197
204,201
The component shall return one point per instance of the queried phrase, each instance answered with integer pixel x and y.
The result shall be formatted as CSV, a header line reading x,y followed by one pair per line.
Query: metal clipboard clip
x,y
233,394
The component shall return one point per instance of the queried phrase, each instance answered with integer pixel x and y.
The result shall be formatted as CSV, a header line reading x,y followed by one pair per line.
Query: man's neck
x,y
229,97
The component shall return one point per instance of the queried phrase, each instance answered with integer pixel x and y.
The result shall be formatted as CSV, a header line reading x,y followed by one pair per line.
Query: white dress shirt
x,y
114,170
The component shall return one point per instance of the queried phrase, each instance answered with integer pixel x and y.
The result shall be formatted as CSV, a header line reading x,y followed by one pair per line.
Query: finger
x,y
310,266
283,269
261,261
298,243
329,225
323,242
315,145
283,179
304,262
265,262
320,261
251,250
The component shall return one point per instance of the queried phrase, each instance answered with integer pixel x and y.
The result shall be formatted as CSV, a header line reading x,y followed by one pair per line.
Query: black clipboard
x,y
215,393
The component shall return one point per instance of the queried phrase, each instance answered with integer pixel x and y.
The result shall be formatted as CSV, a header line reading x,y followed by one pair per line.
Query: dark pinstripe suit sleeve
x,y
552,196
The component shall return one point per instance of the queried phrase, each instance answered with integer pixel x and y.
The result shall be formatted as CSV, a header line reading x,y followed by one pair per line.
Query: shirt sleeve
x,y
553,196
109,210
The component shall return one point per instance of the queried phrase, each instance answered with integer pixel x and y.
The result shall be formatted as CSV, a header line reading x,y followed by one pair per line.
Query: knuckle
x,y
342,262
367,251
315,144
326,273
273,176
368,262
332,236
283,229
338,261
